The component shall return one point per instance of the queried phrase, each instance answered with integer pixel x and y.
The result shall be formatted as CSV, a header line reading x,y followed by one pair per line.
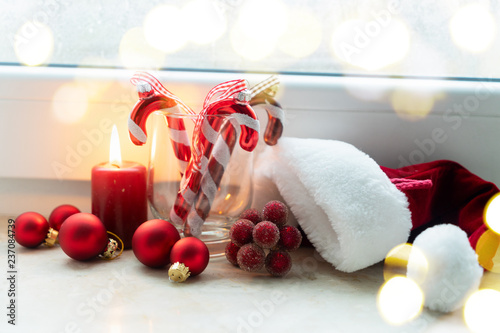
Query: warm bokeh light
x,y
206,23
487,252
34,44
115,155
250,48
481,311
165,28
400,300
263,20
397,260
70,103
492,213
135,52
303,36
473,28
369,45
413,104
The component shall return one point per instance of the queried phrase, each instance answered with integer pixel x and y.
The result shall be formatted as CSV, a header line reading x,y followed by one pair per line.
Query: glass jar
x,y
234,191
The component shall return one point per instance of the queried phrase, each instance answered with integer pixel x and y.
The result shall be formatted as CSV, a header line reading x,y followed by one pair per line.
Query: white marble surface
x,y
58,294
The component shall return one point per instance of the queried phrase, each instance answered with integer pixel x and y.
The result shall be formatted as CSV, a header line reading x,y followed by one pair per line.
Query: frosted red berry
x,y
232,253
251,257
252,214
276,212
241,232
266,234
290,238
278,263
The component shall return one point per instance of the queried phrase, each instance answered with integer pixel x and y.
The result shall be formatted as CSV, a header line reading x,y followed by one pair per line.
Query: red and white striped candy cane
x,y
212,177
153,97
262,94
205,135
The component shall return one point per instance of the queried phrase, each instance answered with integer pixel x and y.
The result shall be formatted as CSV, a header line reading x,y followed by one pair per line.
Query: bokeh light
x,y
487,252
369,45
400,300
472,28
397,260
481,311
413,104
250,48
263,19
135,52
70,103
205,23
303,36
165,28
34,44
492,213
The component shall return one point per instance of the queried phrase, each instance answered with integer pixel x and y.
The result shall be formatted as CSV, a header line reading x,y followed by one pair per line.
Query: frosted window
x,y
446,38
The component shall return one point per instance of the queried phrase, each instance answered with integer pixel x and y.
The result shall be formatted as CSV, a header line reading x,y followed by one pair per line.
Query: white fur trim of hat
x,y
344,202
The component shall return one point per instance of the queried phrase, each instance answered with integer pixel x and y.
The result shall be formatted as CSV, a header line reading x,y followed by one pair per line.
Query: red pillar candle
x,y
119,194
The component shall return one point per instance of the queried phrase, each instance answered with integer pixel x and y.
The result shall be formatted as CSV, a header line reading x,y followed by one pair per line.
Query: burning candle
x,y
119,193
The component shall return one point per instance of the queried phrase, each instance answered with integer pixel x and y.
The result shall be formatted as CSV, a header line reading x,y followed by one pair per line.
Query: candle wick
x,y
115,165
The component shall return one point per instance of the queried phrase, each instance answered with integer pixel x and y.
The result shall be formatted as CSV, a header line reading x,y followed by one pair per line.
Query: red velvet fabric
x,y
456,196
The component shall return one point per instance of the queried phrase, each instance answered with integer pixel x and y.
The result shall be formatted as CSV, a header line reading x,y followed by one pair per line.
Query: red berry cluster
x,y
257,231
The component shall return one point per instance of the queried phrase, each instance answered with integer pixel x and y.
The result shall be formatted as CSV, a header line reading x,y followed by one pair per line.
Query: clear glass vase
x,y
234,191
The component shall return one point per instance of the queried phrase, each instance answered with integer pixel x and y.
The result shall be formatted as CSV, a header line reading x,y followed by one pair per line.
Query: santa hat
x,y
354,211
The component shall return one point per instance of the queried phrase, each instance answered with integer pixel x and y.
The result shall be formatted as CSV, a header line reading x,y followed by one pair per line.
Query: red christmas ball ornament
x,y
30,229
60,214
152,242
190,257
83,236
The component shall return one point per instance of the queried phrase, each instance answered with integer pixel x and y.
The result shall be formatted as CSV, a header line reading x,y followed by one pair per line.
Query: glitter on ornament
x,y
266,234
241,232
251,257
276,212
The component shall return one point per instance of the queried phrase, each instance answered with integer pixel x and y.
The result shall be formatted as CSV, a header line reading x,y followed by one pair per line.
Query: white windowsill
x,y
461,127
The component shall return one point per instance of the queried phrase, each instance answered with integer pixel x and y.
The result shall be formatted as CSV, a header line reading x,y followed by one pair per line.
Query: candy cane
x,y
210,182
263,93
205,135
153,96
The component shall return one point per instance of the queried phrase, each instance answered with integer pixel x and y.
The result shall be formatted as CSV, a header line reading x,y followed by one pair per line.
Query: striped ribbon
x,y
266,84
139,77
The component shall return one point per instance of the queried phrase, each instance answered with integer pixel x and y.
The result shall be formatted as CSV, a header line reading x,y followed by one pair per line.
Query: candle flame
x,y
115,157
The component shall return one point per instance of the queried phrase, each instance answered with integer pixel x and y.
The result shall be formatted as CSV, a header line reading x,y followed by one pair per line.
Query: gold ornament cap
x,y
51,237
110,249
178,272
